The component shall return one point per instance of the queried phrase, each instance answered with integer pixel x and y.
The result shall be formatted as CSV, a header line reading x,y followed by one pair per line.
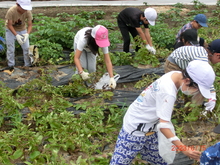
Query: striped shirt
x,y
185,54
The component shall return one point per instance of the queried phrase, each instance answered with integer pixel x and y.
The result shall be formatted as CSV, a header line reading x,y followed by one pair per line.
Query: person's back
x,y
180,58
131,16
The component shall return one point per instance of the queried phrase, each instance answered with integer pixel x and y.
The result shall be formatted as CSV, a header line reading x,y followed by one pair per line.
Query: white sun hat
x,y
202,73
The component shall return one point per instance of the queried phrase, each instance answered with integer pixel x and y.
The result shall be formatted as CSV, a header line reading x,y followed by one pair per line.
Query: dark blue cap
x,y
201,19
214,46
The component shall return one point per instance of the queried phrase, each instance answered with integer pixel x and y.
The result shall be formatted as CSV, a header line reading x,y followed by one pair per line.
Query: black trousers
x,y
125,30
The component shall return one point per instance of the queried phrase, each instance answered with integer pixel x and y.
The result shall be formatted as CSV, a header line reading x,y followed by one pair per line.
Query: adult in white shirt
x,y
87,42
153,109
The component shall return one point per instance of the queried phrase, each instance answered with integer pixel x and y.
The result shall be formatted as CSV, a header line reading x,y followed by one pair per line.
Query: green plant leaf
x,y
17,154
34,154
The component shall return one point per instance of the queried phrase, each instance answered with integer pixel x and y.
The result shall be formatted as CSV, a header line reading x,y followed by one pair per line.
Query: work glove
x,y
20,39
148,47
210,105
84,75
151,49
112,83
26,35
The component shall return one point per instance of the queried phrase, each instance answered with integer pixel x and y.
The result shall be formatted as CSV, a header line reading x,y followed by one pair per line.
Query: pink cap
x,y
100,33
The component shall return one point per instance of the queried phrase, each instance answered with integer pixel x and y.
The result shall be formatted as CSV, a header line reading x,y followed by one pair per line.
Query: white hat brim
x,y
26,7
205,91
151,22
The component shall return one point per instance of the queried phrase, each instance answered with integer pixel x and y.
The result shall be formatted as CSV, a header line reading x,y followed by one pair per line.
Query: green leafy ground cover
x,y
48,133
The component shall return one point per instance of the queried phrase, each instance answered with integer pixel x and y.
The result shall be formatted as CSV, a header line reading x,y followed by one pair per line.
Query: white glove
x,y
26,35
210,105
85,75
151,49
112,83
148,47
19,39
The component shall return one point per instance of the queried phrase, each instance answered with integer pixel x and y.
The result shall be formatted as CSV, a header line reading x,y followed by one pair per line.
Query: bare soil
x,y
52,11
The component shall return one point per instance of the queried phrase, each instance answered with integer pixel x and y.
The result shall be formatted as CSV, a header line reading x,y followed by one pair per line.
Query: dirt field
x,y
52,11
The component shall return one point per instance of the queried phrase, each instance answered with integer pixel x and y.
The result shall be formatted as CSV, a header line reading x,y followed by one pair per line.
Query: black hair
x,y
181,37
189,35
91,42
186,75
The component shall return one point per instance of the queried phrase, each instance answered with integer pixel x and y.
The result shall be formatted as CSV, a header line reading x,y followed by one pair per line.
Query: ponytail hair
x,y
91,42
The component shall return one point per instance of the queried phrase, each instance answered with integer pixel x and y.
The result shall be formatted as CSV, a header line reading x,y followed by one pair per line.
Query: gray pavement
x,y
7,4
